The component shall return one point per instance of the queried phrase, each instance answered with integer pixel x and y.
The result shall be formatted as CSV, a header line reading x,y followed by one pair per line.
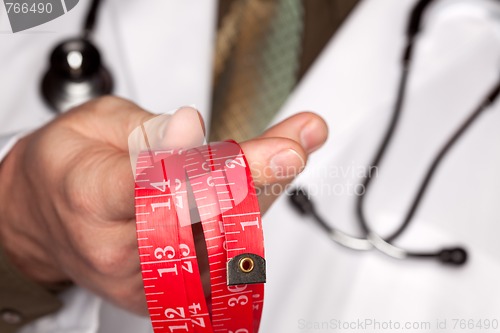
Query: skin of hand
x,y
67,198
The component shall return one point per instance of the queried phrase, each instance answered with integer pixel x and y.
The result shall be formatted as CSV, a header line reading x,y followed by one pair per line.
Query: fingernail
x,y
311,136
287,164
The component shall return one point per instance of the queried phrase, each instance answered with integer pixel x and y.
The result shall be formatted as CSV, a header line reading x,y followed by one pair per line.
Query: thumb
x,y
280,154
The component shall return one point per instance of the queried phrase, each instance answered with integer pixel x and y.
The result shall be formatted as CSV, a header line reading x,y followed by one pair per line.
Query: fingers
x,y
183,129
107,119
118,189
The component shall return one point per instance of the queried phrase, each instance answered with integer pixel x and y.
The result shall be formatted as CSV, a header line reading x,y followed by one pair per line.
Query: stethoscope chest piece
x,y
76,75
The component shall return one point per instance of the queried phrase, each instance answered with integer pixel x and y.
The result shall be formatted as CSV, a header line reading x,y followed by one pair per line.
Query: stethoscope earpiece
x,y
76,75
454,256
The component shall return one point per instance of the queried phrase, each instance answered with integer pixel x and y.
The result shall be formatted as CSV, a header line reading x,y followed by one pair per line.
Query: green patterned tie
x,y
256,65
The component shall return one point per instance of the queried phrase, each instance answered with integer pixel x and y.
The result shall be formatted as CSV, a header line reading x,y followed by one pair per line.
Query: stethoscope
x,y
452,256
77,74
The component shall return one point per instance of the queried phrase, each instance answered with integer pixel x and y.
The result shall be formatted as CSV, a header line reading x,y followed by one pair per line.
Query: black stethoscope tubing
x,y
456,256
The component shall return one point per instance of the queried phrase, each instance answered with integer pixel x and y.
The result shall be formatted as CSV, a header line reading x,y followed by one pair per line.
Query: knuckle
x,y
77,198
109,99
104,102
107,261
110,103
83,189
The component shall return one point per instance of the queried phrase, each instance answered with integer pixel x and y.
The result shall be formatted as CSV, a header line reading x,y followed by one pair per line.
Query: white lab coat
x,y
313,284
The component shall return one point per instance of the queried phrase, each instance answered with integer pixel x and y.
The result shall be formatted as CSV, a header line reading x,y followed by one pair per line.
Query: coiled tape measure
x,y
211,184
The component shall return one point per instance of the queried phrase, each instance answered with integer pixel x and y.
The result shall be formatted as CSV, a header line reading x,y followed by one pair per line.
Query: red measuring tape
x,y
211,185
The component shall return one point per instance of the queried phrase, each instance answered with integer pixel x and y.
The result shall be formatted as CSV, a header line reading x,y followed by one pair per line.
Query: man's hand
x,y
67,198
